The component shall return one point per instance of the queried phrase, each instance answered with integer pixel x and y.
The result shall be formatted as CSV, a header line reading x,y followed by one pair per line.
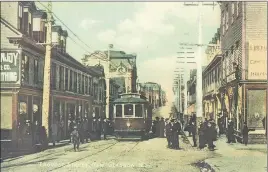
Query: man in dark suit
x,y
169,134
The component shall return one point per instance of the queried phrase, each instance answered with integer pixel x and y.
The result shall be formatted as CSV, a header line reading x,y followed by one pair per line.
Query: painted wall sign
x,y
257,60
10,66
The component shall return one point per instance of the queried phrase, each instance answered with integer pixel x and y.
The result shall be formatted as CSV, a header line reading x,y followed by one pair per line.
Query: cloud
x,y
161,70
107,36
88,23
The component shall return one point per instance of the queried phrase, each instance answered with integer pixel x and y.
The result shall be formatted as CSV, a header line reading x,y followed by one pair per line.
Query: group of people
x,y
169,128
80,132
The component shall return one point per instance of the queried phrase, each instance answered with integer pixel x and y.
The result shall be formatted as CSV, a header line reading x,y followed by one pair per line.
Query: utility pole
x,y
108,82
46,86
199,94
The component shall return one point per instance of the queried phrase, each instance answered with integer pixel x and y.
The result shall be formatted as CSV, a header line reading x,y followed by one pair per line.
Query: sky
x,y
152,30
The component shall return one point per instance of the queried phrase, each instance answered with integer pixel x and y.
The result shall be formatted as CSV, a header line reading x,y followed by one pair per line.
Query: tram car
x,y
132,116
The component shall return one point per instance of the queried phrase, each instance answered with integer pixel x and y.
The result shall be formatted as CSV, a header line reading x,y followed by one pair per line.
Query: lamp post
x,y
107,78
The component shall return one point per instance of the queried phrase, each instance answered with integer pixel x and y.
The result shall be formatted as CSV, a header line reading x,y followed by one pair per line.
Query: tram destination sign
x,y
9,66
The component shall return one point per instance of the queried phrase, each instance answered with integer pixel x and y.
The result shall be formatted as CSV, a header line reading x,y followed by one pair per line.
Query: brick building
x,y
75,89
244,47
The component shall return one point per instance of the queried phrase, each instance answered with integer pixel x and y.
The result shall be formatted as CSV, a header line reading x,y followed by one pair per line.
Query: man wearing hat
x,y
162,127
75,138
105,126
169,133
175,132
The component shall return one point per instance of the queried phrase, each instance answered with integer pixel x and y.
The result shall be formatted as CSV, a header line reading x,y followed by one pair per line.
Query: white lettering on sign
x,y
9,58
9,76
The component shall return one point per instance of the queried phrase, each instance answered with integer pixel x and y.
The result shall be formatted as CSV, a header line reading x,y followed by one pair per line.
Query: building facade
x,y
244,65
74,87
153,93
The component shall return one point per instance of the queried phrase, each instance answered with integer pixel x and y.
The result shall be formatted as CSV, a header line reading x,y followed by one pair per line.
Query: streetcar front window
x,y
138,111
128,108
118,110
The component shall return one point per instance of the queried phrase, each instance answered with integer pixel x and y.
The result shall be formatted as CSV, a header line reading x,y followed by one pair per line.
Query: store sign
x,y
9,67
257,60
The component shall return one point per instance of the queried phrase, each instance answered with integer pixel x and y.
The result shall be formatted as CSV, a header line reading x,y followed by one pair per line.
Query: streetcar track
x,y
49,155
84,157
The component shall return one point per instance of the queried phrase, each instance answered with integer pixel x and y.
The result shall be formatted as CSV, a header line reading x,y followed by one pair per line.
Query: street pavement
x,y
142,156
236,157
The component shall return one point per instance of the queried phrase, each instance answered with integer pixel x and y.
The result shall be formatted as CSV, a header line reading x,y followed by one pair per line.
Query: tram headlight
x,y
128,124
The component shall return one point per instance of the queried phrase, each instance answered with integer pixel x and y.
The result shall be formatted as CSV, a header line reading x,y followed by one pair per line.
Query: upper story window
x,y
20,18
53,76
61,79
25,69
71,81
227,18
233,12
66,79
83,85
36,79
237,8
75,83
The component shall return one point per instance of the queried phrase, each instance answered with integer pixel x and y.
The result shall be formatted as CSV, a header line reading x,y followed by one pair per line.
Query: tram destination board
x,y
9,66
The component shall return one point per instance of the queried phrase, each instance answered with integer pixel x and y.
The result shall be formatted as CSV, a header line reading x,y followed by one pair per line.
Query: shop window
x,y
25,69
138,111
128,110
118,109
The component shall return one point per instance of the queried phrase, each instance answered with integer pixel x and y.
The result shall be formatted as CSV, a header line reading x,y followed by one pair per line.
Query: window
x,y
237,8
86,85
75,83
138,111
25,69
61,81
128,110
118,110
83,84
53,76
36,71
223,22
20,18
66,79
25,21
71,81
227,19
79,83
233,12
30,23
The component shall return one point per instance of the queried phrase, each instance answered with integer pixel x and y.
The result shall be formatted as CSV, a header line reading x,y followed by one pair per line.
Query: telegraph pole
x,y
46,86
108,83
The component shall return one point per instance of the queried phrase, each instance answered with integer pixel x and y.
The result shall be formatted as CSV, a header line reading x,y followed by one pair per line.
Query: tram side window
x,y
118,111
138,111
128,108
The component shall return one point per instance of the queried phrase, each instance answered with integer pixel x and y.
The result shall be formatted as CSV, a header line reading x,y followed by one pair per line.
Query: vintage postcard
x,y
134,86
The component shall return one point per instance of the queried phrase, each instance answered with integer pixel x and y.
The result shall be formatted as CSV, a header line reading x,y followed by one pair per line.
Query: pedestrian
x,y
80,130
201,134
99,128
85,126
54,129
157,126
43,138
154,127
162,127
70,128
230,132
105,128
75,138
169,133
210,135
94,129
176,131
173,134
245,133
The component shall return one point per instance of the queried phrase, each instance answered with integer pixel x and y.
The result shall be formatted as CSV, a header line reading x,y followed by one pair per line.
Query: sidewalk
x,y
236,156
18,153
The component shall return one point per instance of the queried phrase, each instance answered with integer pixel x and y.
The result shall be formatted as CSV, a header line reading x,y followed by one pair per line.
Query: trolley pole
x,y
108,83
46,86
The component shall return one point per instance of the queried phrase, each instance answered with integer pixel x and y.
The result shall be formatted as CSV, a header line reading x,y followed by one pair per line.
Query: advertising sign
x,y
10,66
257,60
